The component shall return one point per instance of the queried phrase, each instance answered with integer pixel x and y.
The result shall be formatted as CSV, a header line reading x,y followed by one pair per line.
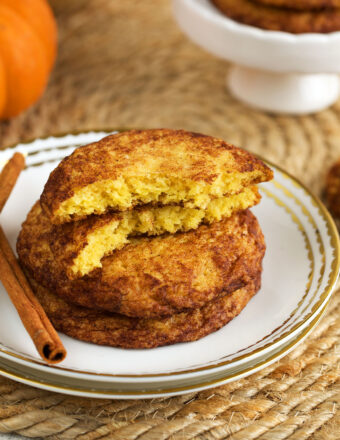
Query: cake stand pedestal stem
x,y
293,93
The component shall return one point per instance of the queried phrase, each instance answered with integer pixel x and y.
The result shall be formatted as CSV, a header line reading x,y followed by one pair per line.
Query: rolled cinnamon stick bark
x,y
31,313
9,176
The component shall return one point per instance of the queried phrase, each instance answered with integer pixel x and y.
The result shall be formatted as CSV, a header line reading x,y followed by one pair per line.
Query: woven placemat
x,y
126,64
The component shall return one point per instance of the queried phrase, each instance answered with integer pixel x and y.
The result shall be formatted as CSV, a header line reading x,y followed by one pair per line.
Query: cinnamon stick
x,y
31,313
9,176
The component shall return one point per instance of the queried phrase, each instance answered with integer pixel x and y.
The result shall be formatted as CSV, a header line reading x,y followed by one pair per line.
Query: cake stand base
x,y
292,93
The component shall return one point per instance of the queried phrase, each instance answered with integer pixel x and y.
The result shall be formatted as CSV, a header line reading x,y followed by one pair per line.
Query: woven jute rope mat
x,y
126,64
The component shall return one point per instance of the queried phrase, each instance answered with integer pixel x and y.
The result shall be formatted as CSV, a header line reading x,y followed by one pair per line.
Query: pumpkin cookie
x,y
154,276
121,331
303,5
333,189
275,19
148,167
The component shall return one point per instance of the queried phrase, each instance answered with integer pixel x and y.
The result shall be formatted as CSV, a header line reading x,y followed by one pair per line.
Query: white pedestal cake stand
x,y
273,71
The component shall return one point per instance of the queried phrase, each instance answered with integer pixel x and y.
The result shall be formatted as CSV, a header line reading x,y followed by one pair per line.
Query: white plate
x,y
300,271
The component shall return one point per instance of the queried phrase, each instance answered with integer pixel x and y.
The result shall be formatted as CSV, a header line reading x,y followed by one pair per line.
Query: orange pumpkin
x,y
28,46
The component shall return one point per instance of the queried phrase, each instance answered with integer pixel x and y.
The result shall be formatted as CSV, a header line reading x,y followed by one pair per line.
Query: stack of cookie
x,y
294,16
145,238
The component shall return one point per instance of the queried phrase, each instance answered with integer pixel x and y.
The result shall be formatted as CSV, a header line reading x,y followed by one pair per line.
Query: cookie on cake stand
x,y
271,70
